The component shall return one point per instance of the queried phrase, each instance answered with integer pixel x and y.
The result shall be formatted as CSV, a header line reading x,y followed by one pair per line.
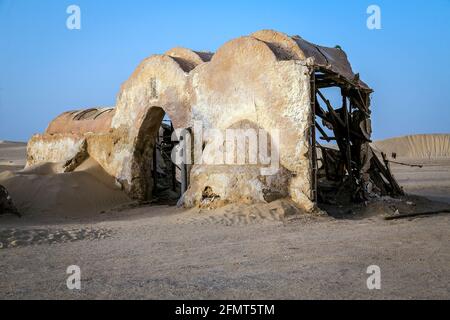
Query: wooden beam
x,y
347,144
359,107
335,120
391,178
330,109
416,214
343,82
324,134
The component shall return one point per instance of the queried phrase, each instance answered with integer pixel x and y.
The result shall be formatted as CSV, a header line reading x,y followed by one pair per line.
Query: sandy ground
x,y
12,155
160,252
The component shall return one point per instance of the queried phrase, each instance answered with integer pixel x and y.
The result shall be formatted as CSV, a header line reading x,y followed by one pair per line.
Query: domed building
x,y
249,119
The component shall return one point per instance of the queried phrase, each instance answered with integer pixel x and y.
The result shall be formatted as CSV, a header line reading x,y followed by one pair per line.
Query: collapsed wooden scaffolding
x,y
350,170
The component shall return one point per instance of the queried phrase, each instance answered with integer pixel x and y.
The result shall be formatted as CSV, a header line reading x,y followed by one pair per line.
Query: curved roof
x,y
187,58
96,120
297,48
171,68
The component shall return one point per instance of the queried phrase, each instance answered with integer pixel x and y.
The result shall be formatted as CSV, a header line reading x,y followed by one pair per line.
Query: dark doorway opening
x,y
165,173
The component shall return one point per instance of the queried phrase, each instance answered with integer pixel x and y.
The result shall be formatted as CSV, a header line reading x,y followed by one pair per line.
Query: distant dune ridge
x,y
12,155
421,146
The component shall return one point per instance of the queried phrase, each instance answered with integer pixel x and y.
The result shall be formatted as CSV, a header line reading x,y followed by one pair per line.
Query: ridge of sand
x,y
12,155
44,190
432,151
420,146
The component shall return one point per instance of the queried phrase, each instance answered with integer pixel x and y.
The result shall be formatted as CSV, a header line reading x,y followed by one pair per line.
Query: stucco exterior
x,y
259,82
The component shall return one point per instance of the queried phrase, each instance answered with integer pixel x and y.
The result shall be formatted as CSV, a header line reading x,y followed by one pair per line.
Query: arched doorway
x,y
155,176
166,175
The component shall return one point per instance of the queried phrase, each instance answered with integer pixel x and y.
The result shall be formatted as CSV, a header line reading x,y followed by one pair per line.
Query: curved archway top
x,y
159,80
160,63
96,120
245,49
283,45
189,58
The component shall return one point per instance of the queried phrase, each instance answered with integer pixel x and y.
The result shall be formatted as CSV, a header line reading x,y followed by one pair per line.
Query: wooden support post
x,y
174,167
183,165
155,166
364,104
183,179
321,113
348,152
312,83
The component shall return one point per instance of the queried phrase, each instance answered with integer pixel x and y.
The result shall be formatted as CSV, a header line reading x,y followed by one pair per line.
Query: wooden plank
x,y
348,151
391,178
323,133
330,109
416,214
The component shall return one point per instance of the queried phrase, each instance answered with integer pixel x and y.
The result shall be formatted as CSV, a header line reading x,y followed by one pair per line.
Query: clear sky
x,y
46,69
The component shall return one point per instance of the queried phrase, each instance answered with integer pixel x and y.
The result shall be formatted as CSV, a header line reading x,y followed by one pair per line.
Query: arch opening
x,y
157,178
165,173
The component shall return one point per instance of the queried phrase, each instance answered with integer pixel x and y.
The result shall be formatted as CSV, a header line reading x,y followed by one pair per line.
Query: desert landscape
x,y
148,250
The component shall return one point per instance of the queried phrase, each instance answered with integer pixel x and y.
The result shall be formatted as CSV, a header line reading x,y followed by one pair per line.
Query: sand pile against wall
x,y
45,190
421,146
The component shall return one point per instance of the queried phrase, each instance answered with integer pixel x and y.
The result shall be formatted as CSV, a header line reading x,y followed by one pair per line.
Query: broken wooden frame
x,y
354,166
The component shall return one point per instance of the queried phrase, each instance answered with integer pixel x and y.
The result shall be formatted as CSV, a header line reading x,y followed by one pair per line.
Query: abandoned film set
x,y
224,156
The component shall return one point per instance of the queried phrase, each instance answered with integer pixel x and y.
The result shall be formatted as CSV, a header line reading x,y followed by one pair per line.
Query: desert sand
x,y
431,151
44,190
12,155
420,146
269,251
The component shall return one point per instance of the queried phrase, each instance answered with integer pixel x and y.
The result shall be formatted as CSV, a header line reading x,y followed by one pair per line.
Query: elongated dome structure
x,y
244,124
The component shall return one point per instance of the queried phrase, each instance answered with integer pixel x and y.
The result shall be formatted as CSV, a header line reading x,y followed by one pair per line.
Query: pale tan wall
x,y
158,82
245,83
53,148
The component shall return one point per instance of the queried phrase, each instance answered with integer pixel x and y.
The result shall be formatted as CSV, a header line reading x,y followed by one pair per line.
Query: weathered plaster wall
x,y
53,148
259,82
245,82
160,83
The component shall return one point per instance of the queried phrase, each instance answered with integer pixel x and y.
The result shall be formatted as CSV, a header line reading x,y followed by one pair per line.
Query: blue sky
x,y
46,69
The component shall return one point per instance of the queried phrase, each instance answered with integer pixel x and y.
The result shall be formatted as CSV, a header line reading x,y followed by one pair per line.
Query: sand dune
x,y
421,146
12,155
44,190
432,151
